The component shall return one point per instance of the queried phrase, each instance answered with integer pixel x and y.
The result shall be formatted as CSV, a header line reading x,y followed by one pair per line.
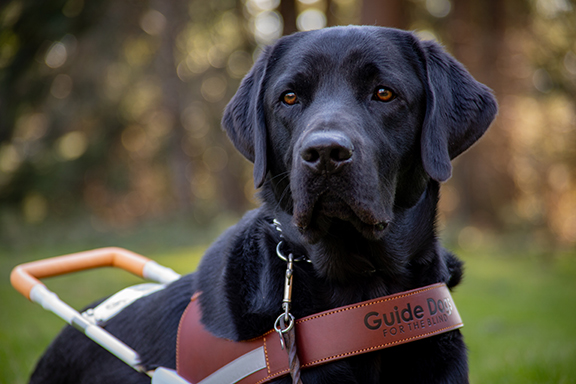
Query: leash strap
x,y
293,359
202,358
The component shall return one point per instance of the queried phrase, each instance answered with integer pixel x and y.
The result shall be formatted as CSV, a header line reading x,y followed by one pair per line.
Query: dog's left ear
x,y
244,119
459,110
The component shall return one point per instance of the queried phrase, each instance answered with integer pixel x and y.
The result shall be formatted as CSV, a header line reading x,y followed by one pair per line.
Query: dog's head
x,y
349,124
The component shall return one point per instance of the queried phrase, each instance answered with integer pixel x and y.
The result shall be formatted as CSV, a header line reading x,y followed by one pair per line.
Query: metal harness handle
x,y
25,279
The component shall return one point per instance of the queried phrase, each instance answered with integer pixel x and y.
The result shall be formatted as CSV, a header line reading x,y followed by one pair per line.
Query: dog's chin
x,y
315,232
335,218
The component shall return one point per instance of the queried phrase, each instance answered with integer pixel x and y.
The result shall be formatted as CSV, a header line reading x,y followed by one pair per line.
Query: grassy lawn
x,y
519,315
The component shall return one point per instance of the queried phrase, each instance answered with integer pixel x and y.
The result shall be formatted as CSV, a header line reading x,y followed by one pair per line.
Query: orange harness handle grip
x,y
26,276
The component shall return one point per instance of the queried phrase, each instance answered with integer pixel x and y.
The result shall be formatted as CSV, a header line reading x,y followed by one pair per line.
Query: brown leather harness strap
x,y
323,337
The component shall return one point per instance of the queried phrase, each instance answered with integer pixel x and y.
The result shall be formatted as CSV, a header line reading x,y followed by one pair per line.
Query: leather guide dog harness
x,y
321,338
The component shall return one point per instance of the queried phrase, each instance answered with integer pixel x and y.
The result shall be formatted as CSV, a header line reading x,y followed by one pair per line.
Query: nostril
x,y
340,154
310,155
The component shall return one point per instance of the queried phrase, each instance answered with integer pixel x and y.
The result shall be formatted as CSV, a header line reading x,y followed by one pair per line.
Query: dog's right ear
x,y
244,119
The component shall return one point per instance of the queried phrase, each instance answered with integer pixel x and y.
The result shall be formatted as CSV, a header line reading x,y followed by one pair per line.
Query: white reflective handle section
x,y
113,345
156,272
167,376
238,369
51,302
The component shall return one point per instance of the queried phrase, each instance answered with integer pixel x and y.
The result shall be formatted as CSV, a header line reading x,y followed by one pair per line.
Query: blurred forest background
x,y
110,113
110,135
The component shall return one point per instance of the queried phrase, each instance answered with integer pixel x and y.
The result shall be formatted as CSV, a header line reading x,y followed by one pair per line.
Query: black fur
x,y
354,182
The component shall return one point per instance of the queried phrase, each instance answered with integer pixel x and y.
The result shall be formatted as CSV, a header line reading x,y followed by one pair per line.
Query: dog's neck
x,y
354,268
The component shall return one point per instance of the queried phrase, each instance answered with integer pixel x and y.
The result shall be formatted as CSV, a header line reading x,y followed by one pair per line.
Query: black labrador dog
x,y
351,130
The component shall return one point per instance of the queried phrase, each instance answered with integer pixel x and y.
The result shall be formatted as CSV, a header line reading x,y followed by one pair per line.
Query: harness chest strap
x,y
202,358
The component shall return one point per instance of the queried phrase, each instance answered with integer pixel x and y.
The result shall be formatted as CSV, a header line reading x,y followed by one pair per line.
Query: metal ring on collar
x,y
284,258
277,324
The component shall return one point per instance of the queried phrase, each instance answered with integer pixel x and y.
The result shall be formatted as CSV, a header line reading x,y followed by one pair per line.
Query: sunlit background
x,y
110,135
110,111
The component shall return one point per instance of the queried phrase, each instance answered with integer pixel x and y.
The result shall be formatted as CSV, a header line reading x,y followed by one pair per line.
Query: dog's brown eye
x,y
384,94
290,98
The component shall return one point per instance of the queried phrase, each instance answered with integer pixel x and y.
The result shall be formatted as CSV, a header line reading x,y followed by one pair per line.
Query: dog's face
x,y
344,122
346,126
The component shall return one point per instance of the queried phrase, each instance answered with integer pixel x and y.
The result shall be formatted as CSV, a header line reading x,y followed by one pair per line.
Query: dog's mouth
x,y
316,220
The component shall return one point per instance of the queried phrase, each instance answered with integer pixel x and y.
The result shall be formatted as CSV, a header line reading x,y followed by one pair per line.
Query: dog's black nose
x,y
326,152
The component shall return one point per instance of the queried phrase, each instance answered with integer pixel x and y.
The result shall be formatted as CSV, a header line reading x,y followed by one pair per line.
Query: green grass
x,y
519,315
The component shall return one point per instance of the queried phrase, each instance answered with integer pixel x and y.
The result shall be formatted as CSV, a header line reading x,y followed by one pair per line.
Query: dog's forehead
x,y
332,50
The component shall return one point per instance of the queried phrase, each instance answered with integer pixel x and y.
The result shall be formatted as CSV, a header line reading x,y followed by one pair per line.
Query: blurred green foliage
x,y
113,109
110,111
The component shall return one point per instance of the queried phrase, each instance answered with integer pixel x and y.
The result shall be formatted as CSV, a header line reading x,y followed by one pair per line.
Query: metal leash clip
x,y
284,324
285,321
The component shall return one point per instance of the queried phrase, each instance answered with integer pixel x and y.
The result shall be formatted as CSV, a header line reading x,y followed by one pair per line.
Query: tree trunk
x,y
389,13
478,34
172,95
288,11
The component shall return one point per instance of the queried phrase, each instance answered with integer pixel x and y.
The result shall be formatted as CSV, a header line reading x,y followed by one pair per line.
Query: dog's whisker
x,y
285,191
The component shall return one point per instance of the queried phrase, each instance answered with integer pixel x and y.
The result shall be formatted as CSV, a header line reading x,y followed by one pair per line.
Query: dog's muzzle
x,y
325,187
